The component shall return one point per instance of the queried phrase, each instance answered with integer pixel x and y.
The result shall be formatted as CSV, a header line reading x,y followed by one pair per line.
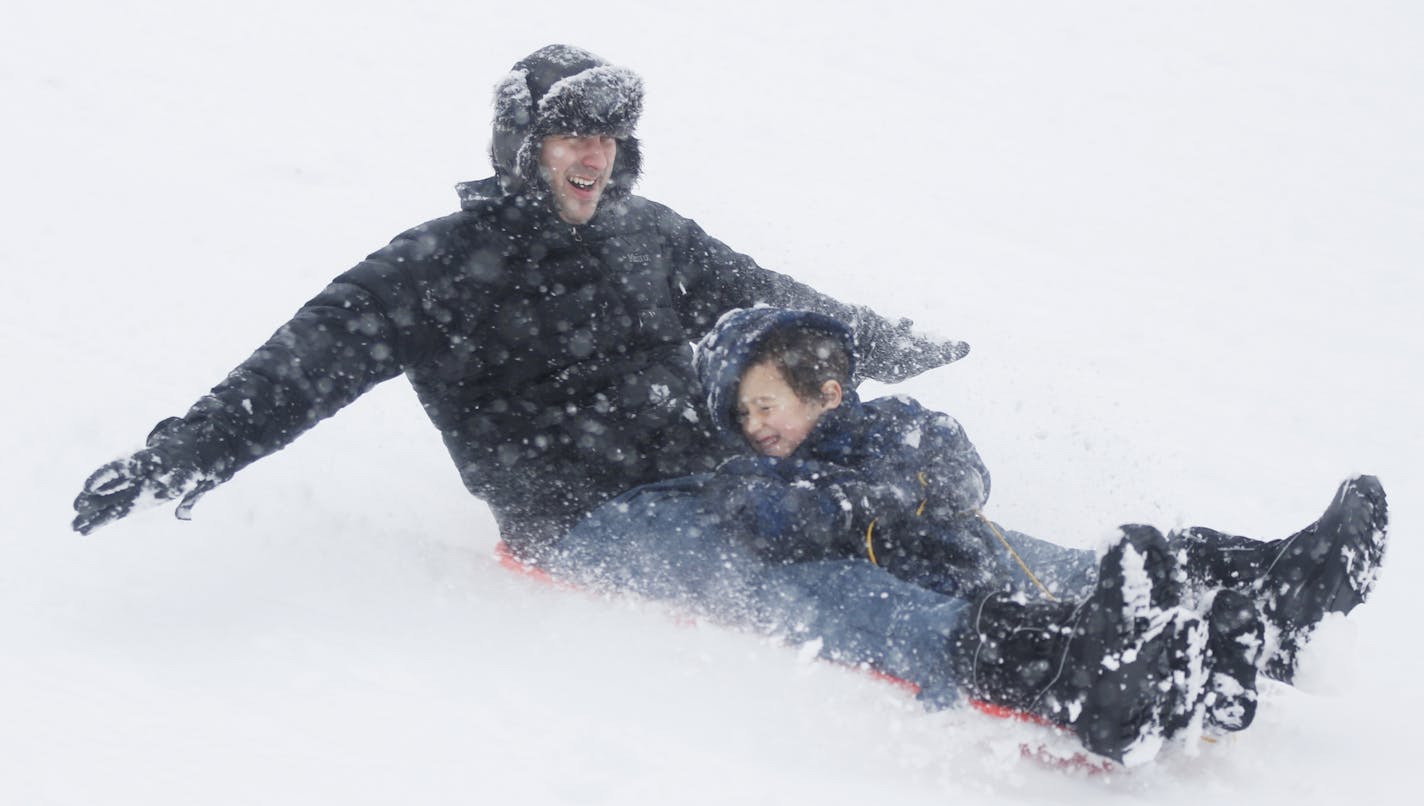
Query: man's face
x,y
773,419
577,169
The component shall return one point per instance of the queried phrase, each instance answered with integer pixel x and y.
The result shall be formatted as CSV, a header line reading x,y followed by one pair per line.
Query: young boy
x,y
904,488
796,534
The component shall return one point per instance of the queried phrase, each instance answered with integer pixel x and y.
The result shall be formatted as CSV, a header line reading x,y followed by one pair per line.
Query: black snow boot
x,y
1235,642
1329,566
1125,670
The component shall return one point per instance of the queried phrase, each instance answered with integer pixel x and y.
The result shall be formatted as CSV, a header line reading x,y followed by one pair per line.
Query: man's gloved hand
x,y
145,479
903,353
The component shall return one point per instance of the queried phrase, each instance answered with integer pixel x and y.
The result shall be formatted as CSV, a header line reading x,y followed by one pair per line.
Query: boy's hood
x,y
722,357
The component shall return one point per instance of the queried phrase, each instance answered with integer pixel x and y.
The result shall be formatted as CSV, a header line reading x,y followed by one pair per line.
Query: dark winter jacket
x,y
554,359
885,480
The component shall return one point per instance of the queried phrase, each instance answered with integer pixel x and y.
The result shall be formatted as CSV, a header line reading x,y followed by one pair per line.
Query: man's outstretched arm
x,y
716,278
337,346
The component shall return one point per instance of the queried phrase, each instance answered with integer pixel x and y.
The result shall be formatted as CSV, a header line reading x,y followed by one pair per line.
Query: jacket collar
x,y
529,214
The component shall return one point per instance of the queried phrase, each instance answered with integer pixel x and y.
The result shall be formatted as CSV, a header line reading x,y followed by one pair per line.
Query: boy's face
x,y
773,419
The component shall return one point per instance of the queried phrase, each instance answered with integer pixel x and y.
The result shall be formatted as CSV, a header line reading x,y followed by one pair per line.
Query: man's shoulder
x,y
426,252
635,204
639,213
479,192
475,225
442,225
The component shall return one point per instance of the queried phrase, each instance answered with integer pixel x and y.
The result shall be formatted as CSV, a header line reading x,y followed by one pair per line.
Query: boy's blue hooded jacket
x,y
781,545
786,545
871,480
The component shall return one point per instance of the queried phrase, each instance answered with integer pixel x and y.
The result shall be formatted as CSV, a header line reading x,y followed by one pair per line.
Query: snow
x,y
1183,240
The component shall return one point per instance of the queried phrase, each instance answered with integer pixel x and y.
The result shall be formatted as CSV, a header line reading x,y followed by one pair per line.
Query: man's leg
x,y
1037,568
860,615
1329,566
975,557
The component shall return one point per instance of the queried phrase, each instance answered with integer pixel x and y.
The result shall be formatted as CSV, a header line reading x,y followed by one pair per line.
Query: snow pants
x,y
667,542
1000,559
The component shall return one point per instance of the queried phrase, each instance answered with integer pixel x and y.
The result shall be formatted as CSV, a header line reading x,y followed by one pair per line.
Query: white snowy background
x,y
1183,238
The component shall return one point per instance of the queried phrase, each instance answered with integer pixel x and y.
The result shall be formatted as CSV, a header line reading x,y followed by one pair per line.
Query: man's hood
x,y
561,89
723,354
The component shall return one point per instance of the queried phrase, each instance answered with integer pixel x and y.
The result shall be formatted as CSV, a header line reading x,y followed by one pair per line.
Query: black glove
x,y
147,478
901,353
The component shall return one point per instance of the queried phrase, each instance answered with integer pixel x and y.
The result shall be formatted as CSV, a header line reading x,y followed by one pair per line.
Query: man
x,y
546,328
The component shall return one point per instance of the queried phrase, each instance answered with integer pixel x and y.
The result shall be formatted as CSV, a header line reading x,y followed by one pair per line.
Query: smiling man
x,y
546,327
577,169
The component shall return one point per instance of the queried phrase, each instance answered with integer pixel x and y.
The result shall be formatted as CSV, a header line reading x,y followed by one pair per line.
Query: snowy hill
x,y
1183,239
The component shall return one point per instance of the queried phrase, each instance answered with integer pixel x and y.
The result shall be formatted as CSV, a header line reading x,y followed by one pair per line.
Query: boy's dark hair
x,y
806,357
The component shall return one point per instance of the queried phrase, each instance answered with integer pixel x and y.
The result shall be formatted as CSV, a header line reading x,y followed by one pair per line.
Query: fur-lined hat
x,y
561,89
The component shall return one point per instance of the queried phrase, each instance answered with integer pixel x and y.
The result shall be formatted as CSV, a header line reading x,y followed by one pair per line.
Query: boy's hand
x,y
147,478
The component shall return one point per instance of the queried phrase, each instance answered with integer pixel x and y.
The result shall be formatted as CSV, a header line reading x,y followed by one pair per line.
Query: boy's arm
x,y
797,511
926,471
952,477
710,279
781,512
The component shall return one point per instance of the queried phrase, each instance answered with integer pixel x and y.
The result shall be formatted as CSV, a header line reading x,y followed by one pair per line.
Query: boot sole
x,y
1237,639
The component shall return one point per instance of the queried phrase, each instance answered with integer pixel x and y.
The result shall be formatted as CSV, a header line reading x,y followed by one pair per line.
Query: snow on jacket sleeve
x,y
360,330
711,279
